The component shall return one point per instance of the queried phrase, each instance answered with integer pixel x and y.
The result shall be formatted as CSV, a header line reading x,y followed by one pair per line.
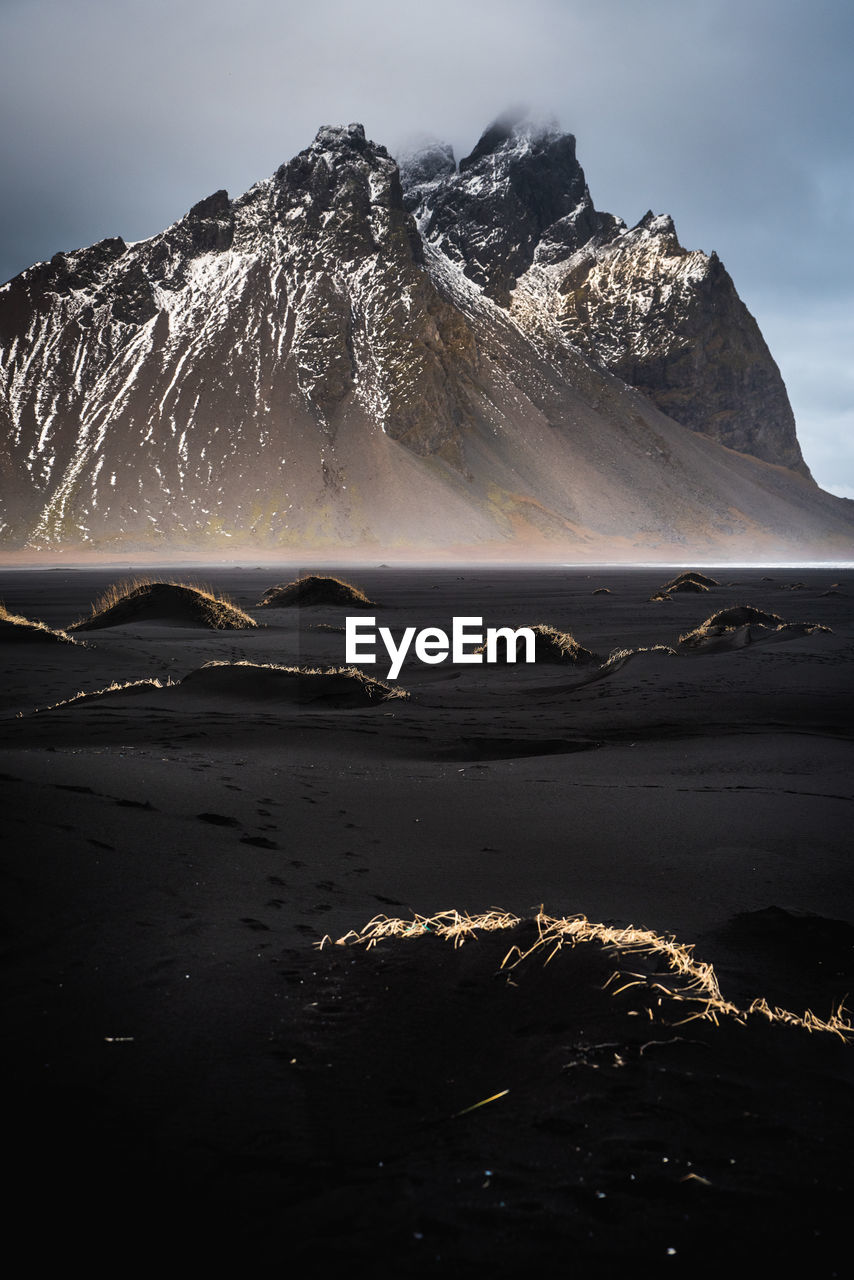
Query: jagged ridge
x,y
311,365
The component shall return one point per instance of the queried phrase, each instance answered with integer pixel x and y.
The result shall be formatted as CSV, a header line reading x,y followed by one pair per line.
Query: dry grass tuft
x,y
313,590
116,686
744,615
264,681
690,982
685,583
552,645
310,682
13,626
154,599
619,657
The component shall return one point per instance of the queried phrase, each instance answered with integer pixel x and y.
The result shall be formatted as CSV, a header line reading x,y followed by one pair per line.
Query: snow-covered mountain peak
x,y
338,356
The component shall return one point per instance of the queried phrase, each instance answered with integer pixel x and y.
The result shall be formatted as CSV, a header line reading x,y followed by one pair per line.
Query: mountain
x,y
420,358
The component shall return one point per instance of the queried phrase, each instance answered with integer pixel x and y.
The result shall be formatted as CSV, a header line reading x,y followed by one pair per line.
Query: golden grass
x,y
617,656
374,687
116,686
218,611
718,624
700,579
376,690
553,645
116,591
313,589
690,981
38,630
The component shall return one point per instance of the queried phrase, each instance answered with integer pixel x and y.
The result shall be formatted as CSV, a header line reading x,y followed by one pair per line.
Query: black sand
x,y
182,1059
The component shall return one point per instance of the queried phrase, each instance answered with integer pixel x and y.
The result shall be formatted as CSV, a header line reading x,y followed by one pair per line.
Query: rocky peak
x,y
296,366
668,321
422,166
522,184
513,123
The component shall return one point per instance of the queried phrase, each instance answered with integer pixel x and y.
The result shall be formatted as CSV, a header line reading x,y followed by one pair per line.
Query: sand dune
x,y
741,625
551,645
688,583
335,687
169,602
314,590
15,629
222,684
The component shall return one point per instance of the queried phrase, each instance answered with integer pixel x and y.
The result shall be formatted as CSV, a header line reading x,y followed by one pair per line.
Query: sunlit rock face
x,y
431,356
519,219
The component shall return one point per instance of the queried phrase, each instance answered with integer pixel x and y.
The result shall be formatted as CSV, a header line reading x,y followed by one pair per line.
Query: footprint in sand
x,y
257,925
218,819
260,842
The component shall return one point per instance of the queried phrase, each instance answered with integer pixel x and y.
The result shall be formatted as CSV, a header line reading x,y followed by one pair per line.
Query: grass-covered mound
x,y
269,683
16,628
642,958
675,1125
174,603
698,579
688,583
313,590
742,623
260,682
552,645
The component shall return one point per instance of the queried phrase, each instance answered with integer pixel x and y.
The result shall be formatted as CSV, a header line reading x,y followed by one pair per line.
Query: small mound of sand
x,y
699,579
314,590
740,614
740,625
16,628
679,977
685,584
117,690
173,603
618,658
551,645
263,682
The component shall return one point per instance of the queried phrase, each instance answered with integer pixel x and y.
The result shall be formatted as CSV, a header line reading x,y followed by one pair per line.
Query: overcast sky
x,y
734,116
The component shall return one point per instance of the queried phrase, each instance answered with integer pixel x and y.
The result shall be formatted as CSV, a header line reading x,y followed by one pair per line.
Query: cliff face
x,y
519,219
213,363
468,358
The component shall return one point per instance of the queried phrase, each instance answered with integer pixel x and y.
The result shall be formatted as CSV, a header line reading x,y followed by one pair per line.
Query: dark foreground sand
x,y
192,1080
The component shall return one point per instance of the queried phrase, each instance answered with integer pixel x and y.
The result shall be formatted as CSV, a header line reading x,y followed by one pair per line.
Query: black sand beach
x,y
191,1076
